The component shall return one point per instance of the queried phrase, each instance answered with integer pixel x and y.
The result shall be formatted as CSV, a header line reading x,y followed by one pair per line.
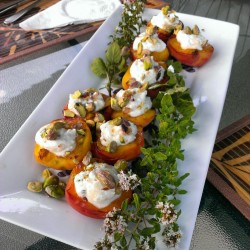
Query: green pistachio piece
x,y
77,94
87,158
35,186
172,19
80,132
121,138
147,64
178,28
196,30
46,174
114,104
139,48
121,165
62,184
80,109
144,87
204,43
165,10
112,147
99,117
68,113
117,121
106,179
90,123
51,180
188,30
58,125
91,90
144,39
55,191
150,30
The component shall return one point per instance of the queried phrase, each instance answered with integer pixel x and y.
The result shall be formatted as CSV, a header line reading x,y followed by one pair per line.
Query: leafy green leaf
x,y
98,67
136,201
113,53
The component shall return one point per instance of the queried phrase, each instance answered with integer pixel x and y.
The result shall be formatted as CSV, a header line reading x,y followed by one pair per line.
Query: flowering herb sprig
x,y
154,176
153,208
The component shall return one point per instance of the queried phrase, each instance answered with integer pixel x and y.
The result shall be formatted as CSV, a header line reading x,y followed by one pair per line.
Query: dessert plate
x,y
56,219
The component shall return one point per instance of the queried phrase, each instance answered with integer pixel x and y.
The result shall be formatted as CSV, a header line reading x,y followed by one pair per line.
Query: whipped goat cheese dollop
x,y
65,141
89,184
190,41
152,75
138,104
121,134
157,46
85,99
166,22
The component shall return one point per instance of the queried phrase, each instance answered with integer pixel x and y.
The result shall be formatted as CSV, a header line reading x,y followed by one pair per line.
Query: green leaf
x,y
136,201
113,53
182,192
124,205
98,67
160,156
123,241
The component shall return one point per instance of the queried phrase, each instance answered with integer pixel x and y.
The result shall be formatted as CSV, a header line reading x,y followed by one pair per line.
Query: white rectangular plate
x,y
54,218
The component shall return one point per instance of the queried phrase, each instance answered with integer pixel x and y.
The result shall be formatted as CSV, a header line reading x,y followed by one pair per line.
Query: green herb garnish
x,y
155,175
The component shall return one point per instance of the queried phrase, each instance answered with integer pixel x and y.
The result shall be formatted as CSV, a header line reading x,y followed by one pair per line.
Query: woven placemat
x,y
15,42
229,168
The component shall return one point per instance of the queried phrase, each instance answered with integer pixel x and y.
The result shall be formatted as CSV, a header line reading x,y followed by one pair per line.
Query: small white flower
x,y
171,237
114,222
128,181
169,214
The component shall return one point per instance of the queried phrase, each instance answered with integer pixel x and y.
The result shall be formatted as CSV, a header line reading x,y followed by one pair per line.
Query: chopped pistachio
x,y
172,19
90,123
121,138
165,10
204,43
51,180
91,90
80,132
144,87
117,121
196,30
178,28
77,94
99,117
55,191
112,147
139,49
106,179
75,161
35,186
68,113
147,64
121,165
80,109
62,184
150,30
46,173
114,104
188,30
98,125
144,39
87,158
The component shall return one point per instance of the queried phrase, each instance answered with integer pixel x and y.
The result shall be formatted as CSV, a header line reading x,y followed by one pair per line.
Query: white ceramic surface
x,y
54,218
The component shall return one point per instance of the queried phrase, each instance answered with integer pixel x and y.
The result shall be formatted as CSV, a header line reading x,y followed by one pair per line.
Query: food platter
x,y
56,219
